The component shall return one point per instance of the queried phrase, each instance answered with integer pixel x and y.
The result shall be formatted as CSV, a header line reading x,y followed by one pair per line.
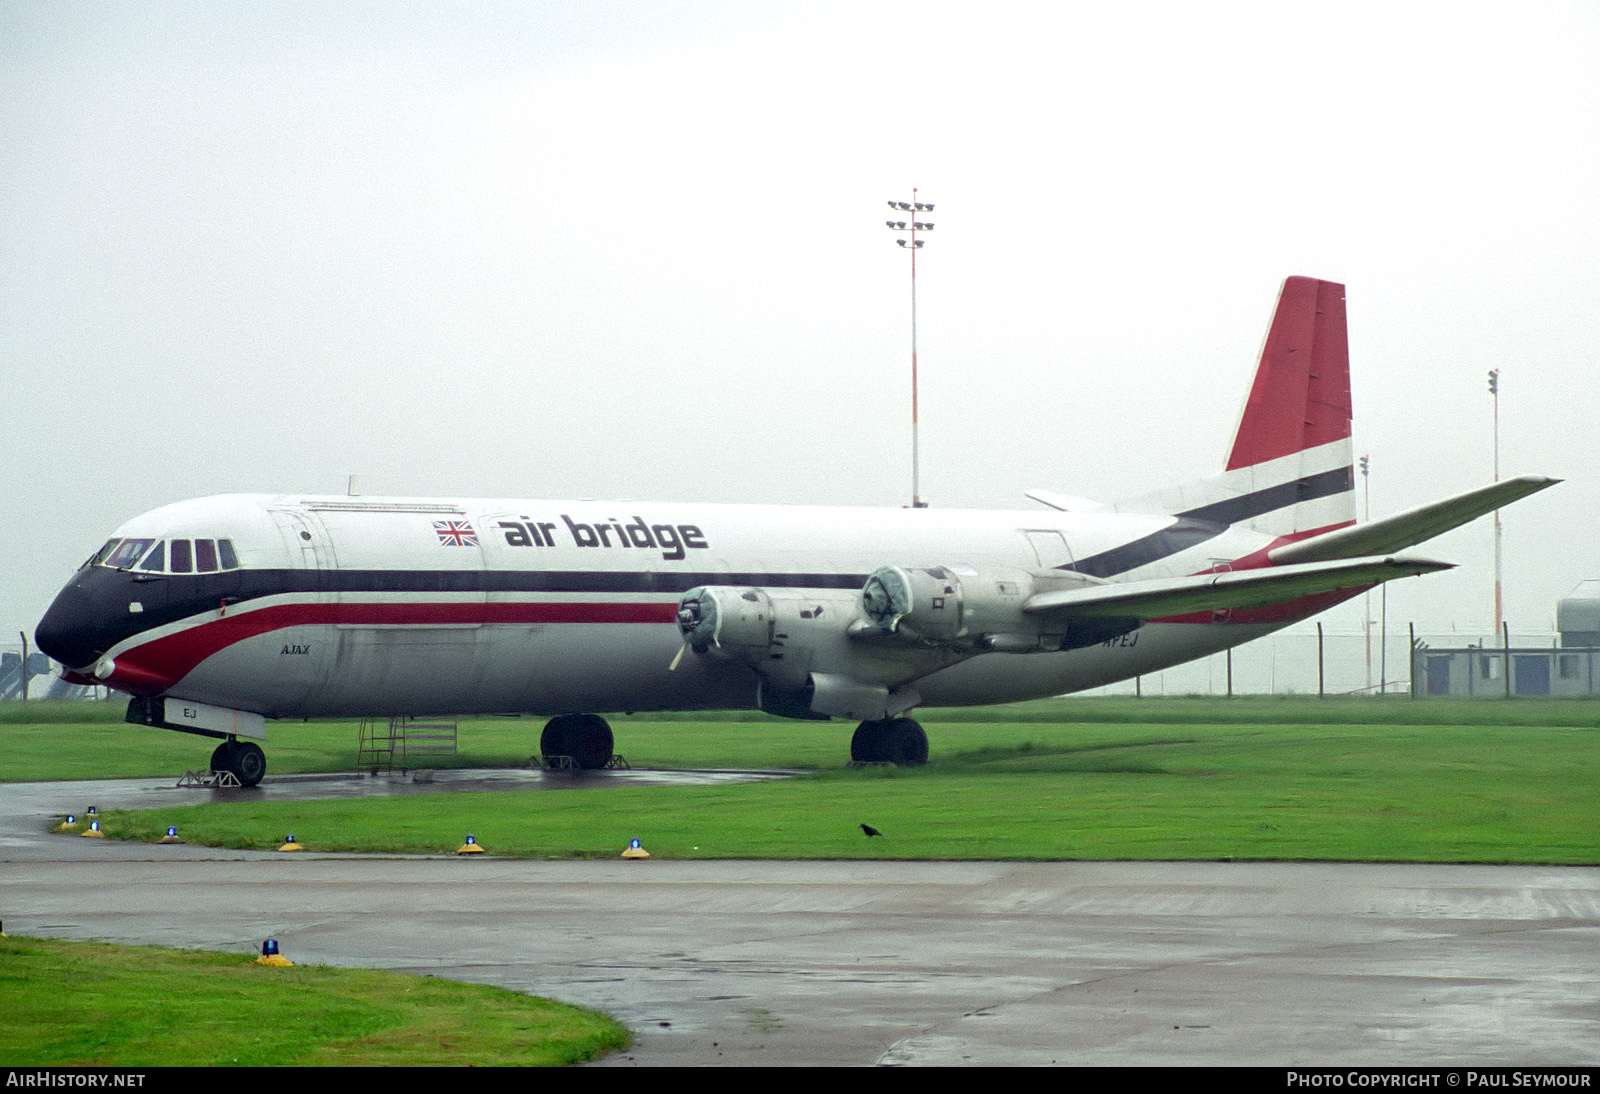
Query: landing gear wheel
x,y
591,742
249,763
584,737
553,741
898,741
244,759
867,743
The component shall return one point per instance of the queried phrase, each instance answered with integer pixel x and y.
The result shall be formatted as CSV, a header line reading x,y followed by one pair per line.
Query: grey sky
x,y
637,250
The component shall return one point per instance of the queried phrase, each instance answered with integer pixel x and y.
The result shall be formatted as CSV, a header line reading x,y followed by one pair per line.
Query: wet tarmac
x,y
1278,964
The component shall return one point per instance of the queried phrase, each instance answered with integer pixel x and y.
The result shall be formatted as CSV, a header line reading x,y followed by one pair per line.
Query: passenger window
x,y
230,561
180,557
157,558
205,555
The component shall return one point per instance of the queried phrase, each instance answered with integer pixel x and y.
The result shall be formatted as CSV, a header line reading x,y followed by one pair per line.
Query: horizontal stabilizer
x,y
1228,589
1067,503
1412,527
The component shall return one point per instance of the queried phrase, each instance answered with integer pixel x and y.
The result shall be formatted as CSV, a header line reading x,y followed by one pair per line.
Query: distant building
x,y
1570,669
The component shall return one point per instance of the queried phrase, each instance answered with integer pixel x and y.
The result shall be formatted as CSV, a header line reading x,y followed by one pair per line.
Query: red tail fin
x,y
1301,395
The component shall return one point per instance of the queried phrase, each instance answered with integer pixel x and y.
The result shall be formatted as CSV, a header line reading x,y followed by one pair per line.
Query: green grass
x,y
83,1004
1353,780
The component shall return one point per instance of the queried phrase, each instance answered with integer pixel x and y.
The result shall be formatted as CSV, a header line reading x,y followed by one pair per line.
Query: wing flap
x,y
1412,527
1228,589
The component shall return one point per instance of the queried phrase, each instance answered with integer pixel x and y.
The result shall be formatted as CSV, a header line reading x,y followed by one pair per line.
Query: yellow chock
x,y
68,825
93,831
289,844
634,850
271,956
471,847
171,836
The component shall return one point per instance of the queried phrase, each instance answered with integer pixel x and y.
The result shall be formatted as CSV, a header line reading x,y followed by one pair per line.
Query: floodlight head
x,y
906,205
901,242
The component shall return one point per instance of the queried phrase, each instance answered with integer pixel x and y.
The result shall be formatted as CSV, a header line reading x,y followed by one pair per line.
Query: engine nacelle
x,y
806,646
950,606
958,607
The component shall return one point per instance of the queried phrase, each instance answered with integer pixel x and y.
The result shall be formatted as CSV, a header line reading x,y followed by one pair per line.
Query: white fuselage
x,y
370,607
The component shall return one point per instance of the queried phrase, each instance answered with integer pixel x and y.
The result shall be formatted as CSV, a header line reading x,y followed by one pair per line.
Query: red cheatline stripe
x,y
157,665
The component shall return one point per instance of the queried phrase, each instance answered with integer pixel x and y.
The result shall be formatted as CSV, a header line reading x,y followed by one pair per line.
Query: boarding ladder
x,y
380,743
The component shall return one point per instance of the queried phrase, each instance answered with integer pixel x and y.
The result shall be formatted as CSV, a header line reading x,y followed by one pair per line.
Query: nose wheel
x,y
898,741
243,758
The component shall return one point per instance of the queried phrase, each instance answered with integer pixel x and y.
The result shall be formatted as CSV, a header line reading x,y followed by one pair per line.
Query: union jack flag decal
x,y
455,533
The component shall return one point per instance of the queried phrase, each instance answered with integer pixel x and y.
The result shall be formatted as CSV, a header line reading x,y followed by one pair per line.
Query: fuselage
x,y
293,606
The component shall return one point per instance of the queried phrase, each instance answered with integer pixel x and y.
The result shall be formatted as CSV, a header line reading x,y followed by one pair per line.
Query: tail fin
x,y
1301,396
1289,470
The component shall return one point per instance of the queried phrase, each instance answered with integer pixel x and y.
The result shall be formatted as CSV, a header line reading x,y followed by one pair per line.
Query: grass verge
x,y
1011,790
84,1004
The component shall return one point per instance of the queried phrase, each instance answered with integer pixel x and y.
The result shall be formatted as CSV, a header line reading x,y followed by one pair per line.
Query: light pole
x,y
1366,598
913,226
1494,390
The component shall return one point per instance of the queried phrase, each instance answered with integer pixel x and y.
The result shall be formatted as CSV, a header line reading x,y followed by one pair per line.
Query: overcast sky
x,y
637,250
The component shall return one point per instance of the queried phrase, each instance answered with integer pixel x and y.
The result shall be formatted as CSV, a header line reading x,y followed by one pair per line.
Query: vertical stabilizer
x,y
1301,396
1289,471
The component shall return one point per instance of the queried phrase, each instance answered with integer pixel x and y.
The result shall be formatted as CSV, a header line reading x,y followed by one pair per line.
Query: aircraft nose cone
x,y
66,632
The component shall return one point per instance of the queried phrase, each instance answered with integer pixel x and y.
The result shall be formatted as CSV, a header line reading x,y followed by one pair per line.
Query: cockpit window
x,y
128,552
101,555
186,556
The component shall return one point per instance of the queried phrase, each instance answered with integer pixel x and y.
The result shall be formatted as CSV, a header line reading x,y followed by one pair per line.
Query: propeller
x,y
696,621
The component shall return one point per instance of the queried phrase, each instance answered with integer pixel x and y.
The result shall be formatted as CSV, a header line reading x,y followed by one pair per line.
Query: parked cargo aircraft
x,y
221,613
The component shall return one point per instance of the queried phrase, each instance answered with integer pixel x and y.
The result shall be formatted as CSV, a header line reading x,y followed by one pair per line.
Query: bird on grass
x,y
870,831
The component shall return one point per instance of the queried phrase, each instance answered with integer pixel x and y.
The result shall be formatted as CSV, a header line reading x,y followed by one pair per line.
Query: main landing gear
x,y
898,741
243,758
585,738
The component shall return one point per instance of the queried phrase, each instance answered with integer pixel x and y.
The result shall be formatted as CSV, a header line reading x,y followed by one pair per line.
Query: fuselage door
x,y
1050,548
305,538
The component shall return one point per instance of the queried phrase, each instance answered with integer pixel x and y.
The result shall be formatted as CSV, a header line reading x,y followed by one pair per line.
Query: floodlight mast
x,y
913,226
1499,615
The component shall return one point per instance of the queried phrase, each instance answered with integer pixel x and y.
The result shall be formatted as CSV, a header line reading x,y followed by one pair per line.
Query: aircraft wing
x,y
1407,529
1228,589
